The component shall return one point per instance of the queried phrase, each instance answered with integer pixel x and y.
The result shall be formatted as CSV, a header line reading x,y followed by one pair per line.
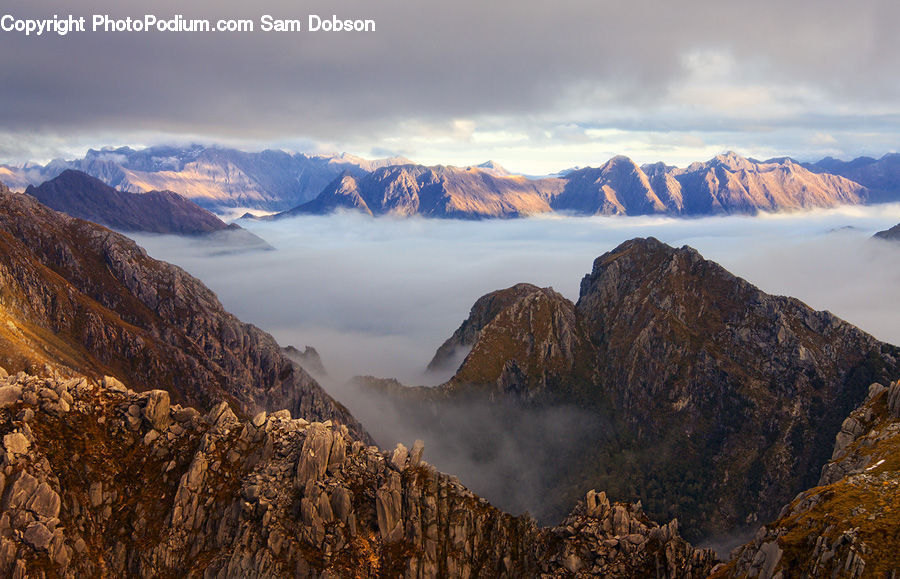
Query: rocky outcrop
x,y
892,234
483,312
846,525
80,297
716,402
95,487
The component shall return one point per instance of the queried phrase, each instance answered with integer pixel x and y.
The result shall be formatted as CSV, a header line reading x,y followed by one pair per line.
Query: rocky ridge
x,y
80,195
96,479
847,524
719,402
84,299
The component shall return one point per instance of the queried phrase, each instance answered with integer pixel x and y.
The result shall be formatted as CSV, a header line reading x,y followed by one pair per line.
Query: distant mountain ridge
x,y
726,184
213,177
80,195
223,179
439,191
880,176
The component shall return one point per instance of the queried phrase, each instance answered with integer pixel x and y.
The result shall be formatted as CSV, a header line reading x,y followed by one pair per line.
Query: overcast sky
x,y
536,85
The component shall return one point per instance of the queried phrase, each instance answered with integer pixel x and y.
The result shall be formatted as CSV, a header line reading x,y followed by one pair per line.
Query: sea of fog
x,y
377,296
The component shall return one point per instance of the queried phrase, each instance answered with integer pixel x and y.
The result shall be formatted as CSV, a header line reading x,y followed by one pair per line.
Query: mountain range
x,y
213,177
223,180
726,184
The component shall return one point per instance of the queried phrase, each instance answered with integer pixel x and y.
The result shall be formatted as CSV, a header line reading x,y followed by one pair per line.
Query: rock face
x,y
721,401
892,234
847,524
80,195
212,177
730,183
98,493
81,298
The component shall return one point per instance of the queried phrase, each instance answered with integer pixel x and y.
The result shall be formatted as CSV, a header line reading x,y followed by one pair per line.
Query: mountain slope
x,y
82,298
847,524
716,401
80,195
104,481
880,176
619,187
730,183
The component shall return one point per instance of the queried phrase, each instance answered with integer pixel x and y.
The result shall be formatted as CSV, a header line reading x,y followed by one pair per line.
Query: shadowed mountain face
x,y
726,184
846,526
880,176
720,401
79,297
213,177
80,195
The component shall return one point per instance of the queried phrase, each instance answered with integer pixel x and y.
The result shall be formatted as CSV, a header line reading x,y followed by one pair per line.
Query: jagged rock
x,y
16,443
38,536
9,395
415,455
114,384
398,459
315,453
44,502
388,504
157,410
893,400
181,508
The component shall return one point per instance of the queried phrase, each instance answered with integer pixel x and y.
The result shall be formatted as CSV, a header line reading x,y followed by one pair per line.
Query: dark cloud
x,y
430,62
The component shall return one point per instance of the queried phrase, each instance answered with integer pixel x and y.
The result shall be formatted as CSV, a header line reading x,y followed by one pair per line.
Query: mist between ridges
x,y
62,26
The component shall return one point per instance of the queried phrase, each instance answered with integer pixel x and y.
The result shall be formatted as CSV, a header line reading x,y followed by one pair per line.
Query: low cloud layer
x,y
448,81
378,296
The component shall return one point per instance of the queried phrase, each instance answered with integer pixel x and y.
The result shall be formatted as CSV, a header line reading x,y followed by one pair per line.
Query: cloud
x,y
438,64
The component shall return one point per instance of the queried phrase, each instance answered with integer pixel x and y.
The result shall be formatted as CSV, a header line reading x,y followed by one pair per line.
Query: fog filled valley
x,y
377,297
